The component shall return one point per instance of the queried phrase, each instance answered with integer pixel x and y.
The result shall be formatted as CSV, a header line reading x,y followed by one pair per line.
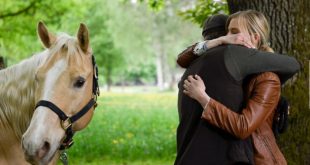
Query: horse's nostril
x,y
43,150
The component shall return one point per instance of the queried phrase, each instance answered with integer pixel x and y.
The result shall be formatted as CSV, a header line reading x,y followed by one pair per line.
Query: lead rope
x,y
64,157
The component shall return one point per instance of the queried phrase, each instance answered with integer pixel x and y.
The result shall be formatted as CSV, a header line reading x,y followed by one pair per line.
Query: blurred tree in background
x,y
2,63
134,42
156,35
203,9
18,22
290,26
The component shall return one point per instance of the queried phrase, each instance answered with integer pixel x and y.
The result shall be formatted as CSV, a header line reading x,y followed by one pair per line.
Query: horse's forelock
x,y
66,45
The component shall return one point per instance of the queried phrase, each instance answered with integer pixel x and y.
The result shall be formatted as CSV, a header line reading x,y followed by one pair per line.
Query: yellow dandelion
x,y
115,141
129,135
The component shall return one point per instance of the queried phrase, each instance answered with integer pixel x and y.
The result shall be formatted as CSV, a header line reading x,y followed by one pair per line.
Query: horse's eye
x,y
79,82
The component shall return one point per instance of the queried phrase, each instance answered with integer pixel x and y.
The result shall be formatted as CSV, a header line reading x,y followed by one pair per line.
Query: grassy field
x,y
129,129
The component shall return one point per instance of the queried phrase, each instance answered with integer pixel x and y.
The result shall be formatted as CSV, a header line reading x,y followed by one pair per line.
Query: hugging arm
x,y
187,56
242,62
261,103
193,52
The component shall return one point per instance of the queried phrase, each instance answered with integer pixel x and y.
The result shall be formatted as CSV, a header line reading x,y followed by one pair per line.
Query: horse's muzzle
x,y
36,155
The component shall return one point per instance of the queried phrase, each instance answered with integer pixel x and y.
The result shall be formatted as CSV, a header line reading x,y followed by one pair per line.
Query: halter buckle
x,y
68,144
65,124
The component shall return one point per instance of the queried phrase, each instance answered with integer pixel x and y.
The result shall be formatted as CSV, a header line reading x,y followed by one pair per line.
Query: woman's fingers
x,y
240,39
197,77
186,82
191,81
246,40
246,44
186,85
191,78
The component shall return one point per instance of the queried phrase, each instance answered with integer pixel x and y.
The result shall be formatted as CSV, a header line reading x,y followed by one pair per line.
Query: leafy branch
x,y
20,11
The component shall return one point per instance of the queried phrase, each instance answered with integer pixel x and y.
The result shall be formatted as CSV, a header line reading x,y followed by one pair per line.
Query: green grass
x,y
129,129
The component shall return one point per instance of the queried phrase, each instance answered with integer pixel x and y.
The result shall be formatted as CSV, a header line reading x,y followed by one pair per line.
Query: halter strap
x,y
53,107
83,111
96,91
68,141
62,115
66,122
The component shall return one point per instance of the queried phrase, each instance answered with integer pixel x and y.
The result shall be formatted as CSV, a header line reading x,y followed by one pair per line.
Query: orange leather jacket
x,y
256,119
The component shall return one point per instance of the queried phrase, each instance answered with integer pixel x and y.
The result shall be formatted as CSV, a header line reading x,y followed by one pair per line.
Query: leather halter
x,y
66,121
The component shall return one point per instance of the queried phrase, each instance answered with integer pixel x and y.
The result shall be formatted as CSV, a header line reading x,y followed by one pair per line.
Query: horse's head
x,y
64,94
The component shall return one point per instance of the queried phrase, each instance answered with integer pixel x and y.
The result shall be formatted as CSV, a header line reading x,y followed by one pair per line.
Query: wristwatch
x,y
200,48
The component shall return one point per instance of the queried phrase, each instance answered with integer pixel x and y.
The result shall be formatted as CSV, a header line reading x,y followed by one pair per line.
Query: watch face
x,y
200,48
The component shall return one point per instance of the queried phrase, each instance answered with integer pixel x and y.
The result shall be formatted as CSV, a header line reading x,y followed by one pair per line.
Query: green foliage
x,y
142,34
126,44
108,57
129,127
156,5
139,75
204,9
18,38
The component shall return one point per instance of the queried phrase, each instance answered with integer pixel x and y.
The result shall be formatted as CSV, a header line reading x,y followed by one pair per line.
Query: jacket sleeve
x,y
187,56
242,61
263,100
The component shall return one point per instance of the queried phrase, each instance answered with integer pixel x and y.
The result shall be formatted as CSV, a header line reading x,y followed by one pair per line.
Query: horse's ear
x,y
46,38
83,37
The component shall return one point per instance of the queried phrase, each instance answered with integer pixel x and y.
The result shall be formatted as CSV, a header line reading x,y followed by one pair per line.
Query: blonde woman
x,y
249,28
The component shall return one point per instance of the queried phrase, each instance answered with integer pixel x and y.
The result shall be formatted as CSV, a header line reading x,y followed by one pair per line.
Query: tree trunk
x,y
2,63
109,79
290,25
159,71
158,48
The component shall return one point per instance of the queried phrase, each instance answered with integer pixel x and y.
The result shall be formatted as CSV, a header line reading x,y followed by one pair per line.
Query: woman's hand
x,y
195,88
237,39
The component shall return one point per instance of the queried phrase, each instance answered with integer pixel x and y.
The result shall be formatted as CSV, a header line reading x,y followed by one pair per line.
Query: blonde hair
x,y
254,22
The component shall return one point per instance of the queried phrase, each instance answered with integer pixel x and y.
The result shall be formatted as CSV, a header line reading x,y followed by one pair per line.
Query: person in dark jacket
x,y
223,69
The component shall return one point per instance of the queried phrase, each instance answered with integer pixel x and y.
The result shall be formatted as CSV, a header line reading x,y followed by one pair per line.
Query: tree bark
x,y
160,73
108,78
158,48
2,63
290,25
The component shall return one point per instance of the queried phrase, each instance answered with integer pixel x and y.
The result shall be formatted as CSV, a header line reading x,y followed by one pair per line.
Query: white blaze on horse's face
x,y
65,79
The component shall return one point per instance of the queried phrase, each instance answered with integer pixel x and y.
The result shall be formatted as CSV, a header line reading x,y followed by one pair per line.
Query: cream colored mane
x,y
17,86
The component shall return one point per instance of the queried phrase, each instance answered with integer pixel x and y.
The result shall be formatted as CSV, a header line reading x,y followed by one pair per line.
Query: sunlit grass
x,y
129,129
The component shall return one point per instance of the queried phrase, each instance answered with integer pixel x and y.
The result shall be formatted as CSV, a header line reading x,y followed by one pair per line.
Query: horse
x,y
46,98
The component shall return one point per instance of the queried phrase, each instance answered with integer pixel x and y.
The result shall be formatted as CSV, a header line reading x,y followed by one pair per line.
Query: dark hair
x,y
215,34
214,26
